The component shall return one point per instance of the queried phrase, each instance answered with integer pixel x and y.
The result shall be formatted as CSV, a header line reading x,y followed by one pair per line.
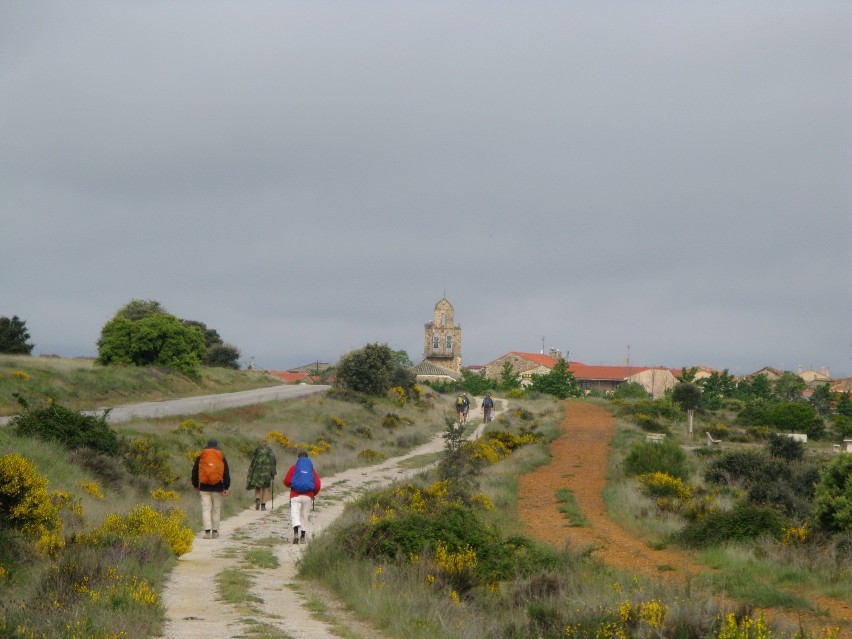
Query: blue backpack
x,y
303,476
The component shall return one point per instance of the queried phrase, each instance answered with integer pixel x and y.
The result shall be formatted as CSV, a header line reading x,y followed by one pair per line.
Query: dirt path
x,y
282,606
579,464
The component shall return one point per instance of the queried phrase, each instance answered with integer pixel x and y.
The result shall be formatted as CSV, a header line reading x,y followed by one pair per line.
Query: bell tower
x,y
442,338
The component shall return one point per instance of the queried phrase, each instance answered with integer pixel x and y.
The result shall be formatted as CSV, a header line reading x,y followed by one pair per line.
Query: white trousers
x,y
211,509
300,510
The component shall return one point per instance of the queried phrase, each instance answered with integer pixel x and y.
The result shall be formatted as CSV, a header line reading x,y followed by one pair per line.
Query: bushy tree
x,y
833,507
475,383
559,382
158,339
14,336
822,400
716,387
136,310
372,370
401,357
508,377
630,390
756,388
687,395
794,417
223,356
789,387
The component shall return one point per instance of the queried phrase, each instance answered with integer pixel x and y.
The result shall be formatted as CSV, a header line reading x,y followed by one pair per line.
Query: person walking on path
x,y
304,485
487,408
261,472
212,479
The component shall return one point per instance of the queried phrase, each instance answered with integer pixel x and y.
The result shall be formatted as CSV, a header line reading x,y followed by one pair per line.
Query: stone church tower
x,y
442,338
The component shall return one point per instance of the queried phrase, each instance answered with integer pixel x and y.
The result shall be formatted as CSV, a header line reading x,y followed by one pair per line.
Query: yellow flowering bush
x,y
92,488
145,520
454,563
795,536
191,426
370,455
163,495
25,503
417,391
22,375
147,456
745,628
664,485
398,395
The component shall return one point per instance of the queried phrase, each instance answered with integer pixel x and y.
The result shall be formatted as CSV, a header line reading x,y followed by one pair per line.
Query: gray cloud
x,y
306,179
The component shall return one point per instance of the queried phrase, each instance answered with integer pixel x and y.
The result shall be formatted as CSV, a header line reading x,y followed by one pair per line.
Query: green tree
x,y
833,498
372,370
793,417
559,382
822,400
14,336
687,375
789,387
475,383
159,340
136,310
402,359
508,377
687,395
222,356
630,390
844,405
716,387
758,387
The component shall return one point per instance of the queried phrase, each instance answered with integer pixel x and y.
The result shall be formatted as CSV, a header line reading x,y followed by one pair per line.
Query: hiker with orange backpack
x,y
212,479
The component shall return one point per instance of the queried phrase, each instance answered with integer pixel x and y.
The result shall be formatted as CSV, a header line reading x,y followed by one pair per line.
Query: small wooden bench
x,y
846,447
711,441
655,438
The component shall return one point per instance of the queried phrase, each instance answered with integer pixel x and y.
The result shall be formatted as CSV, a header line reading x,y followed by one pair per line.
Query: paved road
x,y
204,403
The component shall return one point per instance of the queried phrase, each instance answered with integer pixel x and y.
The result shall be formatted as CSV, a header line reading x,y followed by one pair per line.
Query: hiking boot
x,y
215,534
207,534
295,540
262,506
257,503
302,537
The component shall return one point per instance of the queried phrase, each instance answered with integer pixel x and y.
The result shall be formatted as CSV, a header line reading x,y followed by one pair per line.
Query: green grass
x,y
233,586
79,384
568,507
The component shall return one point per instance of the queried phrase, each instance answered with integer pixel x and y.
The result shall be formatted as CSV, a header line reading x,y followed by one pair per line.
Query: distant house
x,y
768,372
814,378
656,380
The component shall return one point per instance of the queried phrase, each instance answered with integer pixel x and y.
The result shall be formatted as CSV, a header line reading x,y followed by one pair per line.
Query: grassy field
x,y
80,384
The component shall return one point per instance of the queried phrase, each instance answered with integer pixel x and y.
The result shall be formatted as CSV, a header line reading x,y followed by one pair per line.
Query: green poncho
x,y
262,468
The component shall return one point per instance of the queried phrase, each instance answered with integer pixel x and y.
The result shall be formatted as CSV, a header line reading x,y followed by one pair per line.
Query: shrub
x,y
143,521
665,457
25,503
833,496
744,522
71,429
785,447
147,456
746,466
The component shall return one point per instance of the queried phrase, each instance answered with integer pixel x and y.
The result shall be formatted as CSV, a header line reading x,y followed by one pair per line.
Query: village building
x,y
442,359
655,380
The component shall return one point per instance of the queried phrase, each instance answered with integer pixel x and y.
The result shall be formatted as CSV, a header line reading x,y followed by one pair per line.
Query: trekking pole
x,y
272,488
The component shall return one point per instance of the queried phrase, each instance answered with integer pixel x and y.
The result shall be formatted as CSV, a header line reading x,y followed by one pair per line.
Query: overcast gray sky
x,y
309,177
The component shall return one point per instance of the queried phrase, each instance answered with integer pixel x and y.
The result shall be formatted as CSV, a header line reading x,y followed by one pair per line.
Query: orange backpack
x,y
211,467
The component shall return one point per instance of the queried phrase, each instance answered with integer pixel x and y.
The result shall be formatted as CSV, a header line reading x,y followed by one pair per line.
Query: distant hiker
x,y
261,472
304,484
212,479
462,407
487,407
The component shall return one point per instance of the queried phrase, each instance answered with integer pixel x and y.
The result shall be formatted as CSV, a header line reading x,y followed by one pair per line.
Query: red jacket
x,y
289,478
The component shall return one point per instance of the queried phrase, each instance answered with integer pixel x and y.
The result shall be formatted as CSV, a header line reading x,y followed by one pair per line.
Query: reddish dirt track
x,y
579,462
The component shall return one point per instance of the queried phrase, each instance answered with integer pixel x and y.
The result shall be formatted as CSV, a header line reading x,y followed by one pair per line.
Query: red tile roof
x,y
290,378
